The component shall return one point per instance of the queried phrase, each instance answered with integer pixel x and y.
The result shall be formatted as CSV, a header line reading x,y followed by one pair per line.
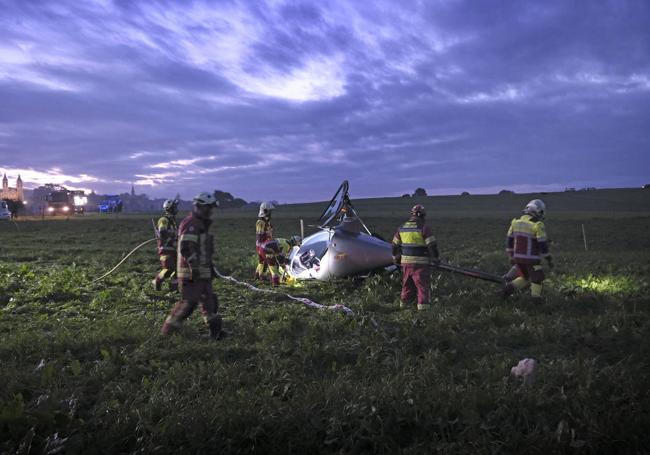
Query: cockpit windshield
x,y
310,253
336,205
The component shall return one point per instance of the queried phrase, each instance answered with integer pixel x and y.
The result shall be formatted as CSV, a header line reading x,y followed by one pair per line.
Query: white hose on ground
x,y
304,300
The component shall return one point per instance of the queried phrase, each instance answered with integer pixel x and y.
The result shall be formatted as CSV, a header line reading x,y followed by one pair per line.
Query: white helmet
x,y
265,208
205,198
536,207
170,205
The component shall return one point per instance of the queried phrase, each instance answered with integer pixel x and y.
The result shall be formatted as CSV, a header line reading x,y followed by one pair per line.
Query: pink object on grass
x,y
525,370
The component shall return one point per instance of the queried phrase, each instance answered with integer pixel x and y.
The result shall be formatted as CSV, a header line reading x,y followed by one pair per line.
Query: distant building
x,y
12,194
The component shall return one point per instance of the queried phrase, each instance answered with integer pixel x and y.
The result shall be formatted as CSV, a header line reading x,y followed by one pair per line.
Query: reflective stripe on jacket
x,y
167,235
263,231
526,242
194,231
413,241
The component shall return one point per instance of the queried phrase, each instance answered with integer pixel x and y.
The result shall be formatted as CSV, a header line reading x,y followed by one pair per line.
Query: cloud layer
x,y
283,100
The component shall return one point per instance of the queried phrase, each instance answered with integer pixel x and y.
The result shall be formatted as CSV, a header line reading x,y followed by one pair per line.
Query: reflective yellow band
x,y
189,238
186,272
523,227
415,260
413,238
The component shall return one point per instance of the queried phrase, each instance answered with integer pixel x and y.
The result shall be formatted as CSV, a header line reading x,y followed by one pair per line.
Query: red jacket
x,y
195,248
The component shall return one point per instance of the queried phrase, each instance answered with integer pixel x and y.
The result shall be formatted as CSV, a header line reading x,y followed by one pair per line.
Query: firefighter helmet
x,y
418,210
295,240
205,198
536,207
170,206
265,209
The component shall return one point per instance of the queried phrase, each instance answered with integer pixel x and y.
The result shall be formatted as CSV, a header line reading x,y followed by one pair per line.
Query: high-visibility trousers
x,y
529,274
168,266
416,279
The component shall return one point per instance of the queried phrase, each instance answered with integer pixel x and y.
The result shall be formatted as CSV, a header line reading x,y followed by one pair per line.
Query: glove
x,y
397,260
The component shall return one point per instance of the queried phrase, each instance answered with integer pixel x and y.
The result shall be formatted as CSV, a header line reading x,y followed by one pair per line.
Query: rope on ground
x,y
120,263
304,300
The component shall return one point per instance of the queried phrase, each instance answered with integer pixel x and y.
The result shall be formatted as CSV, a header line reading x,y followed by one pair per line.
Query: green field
x,y
84,369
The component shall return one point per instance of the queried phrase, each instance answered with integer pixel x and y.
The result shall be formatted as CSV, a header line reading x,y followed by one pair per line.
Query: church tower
x,y
19,189
132,190
5,184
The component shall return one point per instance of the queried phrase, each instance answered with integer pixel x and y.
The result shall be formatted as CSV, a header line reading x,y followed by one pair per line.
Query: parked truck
x,y
65,202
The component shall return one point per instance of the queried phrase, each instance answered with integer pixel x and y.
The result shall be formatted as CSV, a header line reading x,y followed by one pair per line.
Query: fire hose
x,y
469,272
123,259
304,300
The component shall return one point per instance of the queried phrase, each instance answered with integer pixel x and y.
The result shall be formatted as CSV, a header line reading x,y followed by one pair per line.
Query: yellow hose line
x,y
120,263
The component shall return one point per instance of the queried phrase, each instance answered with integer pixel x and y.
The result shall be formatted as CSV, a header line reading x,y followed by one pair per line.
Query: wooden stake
x,y
302,228
584,237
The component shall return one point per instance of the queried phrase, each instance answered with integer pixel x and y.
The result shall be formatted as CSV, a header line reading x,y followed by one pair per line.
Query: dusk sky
x,y
284,100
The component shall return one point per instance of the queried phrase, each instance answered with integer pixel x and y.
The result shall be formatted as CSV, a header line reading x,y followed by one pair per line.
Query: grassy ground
x,y
83,366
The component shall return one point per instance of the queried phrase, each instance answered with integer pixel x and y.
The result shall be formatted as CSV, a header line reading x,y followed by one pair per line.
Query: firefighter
x,y
167,237
195,270
526,245
276,253
263,234
415,249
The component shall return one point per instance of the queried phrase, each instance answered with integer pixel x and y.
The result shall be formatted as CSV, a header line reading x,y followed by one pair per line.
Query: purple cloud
x,y
284,100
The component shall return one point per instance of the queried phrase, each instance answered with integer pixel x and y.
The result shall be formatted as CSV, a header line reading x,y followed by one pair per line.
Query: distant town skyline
x,y
284,100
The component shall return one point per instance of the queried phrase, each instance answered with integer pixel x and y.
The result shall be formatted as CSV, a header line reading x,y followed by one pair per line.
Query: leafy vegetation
x,y
84,369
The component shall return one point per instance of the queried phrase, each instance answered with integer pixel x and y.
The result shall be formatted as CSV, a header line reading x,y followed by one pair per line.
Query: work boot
x,y
276,280
403,305
156,284
214,324
424,306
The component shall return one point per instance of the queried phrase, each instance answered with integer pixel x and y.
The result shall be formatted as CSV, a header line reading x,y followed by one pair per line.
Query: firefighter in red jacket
x,y
263,234
195,269
415,248
167,243
526,245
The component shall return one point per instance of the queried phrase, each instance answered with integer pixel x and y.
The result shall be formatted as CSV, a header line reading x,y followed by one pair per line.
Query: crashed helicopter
x,y
346,247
